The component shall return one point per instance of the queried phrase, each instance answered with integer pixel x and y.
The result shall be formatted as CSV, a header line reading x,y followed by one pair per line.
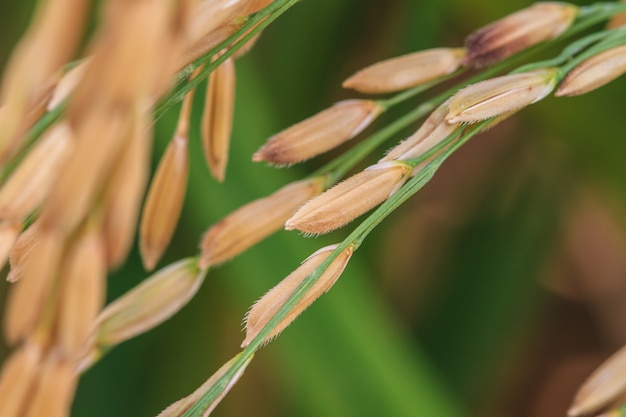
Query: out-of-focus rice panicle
x,y
33,179
29,297
319,133
127,58
406,71
254,221
267,306
20,250
49,42
18,378
67,84
150,303
527,27
593,73
8,236
178,408
349,199
217,118
500,95
83,287
605,385
125,190
55,388
99,140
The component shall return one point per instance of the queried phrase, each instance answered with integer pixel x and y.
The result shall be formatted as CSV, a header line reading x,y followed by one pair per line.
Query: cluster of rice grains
x,y
71,196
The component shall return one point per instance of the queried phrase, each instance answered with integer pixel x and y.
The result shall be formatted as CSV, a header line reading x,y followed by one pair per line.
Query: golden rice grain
x,y
349,199
540,22
319,133
255,221
594,72
166,194
267,306
406,71
82,290
33,179
18,378
500,95
149,304
217,118
29,296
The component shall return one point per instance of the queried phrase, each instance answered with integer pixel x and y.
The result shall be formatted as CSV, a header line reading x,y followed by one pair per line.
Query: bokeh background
x,y
494,291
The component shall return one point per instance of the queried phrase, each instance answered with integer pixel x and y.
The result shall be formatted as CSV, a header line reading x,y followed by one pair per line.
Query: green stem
x,y
616,38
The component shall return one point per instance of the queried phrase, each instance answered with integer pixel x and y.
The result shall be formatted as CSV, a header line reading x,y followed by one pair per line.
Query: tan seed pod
x,y
605,385
350,198
8,236
267,306
20,250
217,118
431,132
28,298
406,71
33,179
83,287
55,389
319,133
179,408
594,72
617,21
500,95
540,22
17,380
166,194
164,202
125,190
255,221
150,303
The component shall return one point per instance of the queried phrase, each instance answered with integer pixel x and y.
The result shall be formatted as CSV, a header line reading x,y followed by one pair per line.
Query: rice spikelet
x,y
33,179
604,386
178,408
17,380
349,199
125,190
500,95
149,304
267,306
166,194
319,133
255,221
594,72
527,27
217,118
28,298
406,71
83,287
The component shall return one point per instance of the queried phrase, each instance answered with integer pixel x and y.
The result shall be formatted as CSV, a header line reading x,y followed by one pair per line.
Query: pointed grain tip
x,y
258,156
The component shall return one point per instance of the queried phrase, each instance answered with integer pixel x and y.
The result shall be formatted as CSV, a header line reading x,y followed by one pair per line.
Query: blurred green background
x,y
492,292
